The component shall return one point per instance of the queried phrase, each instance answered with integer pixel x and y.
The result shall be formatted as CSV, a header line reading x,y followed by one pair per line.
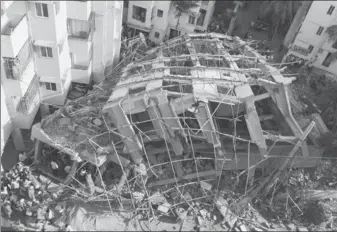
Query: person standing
x,y
54,167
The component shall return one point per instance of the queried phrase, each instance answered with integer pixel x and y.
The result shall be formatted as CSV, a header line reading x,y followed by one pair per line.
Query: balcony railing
x,y
80,67
28,99
14,67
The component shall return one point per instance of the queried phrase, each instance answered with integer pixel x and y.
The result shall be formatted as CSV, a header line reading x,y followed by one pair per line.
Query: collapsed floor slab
x,y
190,99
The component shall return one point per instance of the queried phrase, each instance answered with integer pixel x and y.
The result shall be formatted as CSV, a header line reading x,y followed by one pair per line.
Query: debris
x,y
98,122
164,208
201,221
65,121
291,227
157,198
301,229
228,216
148,130
181,213
203,213
205,185
315,195
138,195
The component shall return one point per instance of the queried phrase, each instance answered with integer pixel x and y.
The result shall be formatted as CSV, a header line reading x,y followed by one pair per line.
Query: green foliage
x,y
332,32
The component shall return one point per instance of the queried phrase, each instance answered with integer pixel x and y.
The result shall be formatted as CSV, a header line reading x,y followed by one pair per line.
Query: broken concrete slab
x,y
64,121
164,208
98,122
205,185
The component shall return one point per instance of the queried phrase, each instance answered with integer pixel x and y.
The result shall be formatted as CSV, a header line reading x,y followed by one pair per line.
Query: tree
x,y
332,33
279,12
183,7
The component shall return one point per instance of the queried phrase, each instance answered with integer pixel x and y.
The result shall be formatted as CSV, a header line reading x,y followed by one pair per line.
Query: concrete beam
x,y
124,127
206,124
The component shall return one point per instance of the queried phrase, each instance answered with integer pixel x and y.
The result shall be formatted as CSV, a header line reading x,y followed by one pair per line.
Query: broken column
x,y
253,123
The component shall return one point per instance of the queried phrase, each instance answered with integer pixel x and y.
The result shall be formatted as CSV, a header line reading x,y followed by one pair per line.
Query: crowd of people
x,y
25,198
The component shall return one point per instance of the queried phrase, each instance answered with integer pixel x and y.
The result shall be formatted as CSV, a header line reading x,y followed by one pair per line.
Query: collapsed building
x,y
184,111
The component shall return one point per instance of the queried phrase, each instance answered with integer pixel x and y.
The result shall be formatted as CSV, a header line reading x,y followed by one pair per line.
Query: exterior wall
x,y
21,99
43,28
162,25
107,36
148,5
209,7
52,31
307,36
184,25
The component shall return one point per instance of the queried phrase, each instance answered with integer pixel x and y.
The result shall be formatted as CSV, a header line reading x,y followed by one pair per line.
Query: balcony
x,y
15,67
81,74
80,10
80,35
13,36
31,97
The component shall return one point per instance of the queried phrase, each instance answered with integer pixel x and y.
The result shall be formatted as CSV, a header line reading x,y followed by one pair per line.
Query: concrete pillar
x,y
18,139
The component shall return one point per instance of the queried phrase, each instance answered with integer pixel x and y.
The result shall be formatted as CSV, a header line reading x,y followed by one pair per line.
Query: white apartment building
x,y
311,42
158,20
47,45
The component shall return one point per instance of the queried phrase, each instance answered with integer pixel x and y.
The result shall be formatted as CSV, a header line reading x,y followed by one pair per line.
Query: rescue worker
x,y
54,167
67,169
22,157
15,184
31,193
21,205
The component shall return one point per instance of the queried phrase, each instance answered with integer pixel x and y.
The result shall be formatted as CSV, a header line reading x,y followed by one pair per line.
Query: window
x,y
310,48
156,34
319,31
160,13
46,52
191,19
327,60
174,33
57,7
41,9
331,9
139,13
201,18
50,86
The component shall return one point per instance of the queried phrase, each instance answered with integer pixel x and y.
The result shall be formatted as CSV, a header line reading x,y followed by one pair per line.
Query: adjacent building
x,y
47,45
159,20
311,42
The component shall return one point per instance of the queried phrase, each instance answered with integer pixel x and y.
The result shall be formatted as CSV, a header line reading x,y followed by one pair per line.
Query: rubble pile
x,y
164,132
77,90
